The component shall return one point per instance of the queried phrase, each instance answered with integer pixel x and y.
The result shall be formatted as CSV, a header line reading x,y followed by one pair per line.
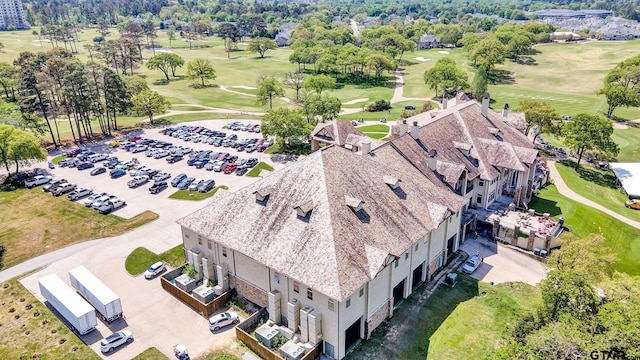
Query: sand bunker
x,y
243,87
443,52
355,101
420,58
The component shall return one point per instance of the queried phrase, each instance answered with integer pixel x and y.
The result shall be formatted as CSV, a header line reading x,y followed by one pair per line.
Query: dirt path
x,y
566,191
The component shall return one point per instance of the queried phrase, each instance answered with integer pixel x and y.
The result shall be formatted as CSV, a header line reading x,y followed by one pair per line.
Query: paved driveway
x,y
154,316
502,264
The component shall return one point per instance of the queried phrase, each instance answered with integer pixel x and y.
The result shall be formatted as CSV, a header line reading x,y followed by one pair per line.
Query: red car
x,y
228,168
223,156
135,139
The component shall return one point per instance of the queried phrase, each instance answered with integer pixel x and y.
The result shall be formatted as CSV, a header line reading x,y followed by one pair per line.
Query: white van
x,y
97,157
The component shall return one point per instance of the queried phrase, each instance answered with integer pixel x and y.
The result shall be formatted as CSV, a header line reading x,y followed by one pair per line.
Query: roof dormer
x,y
392,181
304,210
262,195
354,203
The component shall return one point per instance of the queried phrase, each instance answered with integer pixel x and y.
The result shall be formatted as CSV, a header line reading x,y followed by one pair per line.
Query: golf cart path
x,y
397,93
566,191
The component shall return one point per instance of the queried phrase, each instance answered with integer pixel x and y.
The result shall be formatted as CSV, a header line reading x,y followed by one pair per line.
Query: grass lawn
x,y
204,115
195,195
220,356
373,128
599,186
150,354
31,224
454,323
29,330
141,258
582,220
394,114
255,172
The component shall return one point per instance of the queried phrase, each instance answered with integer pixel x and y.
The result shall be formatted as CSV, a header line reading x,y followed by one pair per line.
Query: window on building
x,y
186,236
276,278
209,244
348,302
480,183
395,264
416,247
406,255
199,240
296,287
224,251
361,291
309,294
331,305
479,199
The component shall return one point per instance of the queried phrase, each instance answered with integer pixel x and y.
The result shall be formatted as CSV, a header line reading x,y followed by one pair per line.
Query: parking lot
x,y
155,317
139,198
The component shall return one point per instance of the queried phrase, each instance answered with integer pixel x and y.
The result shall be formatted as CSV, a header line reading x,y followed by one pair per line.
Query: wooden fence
x,y
205,310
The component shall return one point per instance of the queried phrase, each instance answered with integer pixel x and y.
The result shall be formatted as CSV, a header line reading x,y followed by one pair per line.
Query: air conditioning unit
x,y
292,351
266,333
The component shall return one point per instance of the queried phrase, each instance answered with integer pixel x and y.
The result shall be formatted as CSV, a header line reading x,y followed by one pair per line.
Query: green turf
x,y
255,172
141,258
582,220
56,160
203,115
194,195
150,354
373,128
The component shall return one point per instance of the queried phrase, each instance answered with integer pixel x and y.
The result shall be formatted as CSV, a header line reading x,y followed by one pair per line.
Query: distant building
x,y
566,13
12,15
564,36
283,37
428,41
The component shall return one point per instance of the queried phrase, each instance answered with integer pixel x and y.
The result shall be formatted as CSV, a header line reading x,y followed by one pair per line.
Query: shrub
x,y
380,105
189,270
426,107
278,341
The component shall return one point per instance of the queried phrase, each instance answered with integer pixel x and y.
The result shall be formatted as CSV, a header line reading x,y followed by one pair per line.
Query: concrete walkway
x,y
398,92
566,191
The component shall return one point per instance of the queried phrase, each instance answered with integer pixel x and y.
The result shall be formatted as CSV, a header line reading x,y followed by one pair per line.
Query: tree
x,y
202,69
540,115
286,125
324,107
621,85
295,81
149,103
487,53
165,62
318,83
19,147
589,132
520,44
8,79
480,83
171,35
262,45
229,45
379,63
268,87
446,75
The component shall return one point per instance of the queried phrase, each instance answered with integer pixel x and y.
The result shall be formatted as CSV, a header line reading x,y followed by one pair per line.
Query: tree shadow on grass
x,y
605,179
542,205
526,60
501,77
161,82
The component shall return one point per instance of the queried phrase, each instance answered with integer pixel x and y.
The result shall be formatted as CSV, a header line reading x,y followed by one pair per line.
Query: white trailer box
x,y
68,304
106,302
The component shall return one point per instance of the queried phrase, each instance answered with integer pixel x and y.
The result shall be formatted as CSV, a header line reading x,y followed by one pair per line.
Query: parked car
x,y
110,205
174,158
154,270
137,181
194,185
221,320
116,173
115,340
251,148
158,186
632,204
92,198
98,171
79,193
101,200
53,183
176,180
218,164
206,186
472,264
251,162
163,175
62,189
229,167
85,165
241,171
200,163
37,180
184,183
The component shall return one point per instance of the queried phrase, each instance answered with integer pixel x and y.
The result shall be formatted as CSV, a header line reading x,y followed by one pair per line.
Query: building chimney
x,y
366,147
432,160
445,100
402,127
485,104
415,130
505,112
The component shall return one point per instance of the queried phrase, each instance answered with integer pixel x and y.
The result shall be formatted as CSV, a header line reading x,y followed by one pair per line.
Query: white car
x,y
154,270
96,204
110,205
91,199
223,319
115,340
163,175
472,264
194,185
79,193
137,181
37,180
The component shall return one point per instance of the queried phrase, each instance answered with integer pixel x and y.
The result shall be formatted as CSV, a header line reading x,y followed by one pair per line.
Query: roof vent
x,y
495,131
391,181
305,209
432,160
354,203
465,148
262,195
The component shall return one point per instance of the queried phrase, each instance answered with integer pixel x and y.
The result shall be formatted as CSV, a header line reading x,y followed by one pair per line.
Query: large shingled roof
x,y
336,248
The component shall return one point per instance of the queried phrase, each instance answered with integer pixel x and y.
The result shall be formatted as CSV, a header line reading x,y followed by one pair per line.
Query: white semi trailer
x,y
73,308
106,302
